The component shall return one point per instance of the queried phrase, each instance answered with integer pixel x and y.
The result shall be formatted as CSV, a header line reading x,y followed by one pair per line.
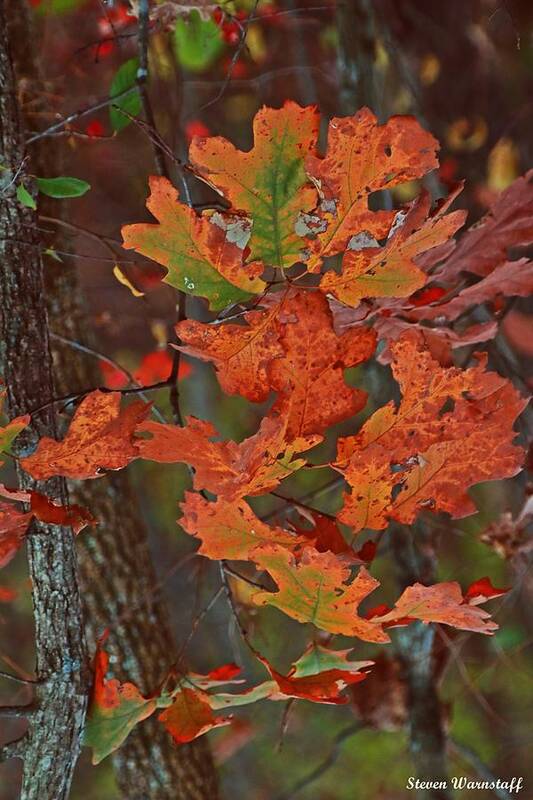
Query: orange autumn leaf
x,y
240,353
230,470
268,182
310,376
190,716
363,157
230,530
100,437
316,590
290,347
452,429
442,602
369,270
204,255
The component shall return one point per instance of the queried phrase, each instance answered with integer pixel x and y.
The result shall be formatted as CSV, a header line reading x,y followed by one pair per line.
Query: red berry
x,y
196,128
94,128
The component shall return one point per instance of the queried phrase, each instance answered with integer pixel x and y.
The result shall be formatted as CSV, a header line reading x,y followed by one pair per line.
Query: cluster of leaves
x,y
325,278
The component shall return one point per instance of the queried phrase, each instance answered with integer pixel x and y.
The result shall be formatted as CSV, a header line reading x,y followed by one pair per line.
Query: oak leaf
x,y
10,431
442,602
508,224
13,526
231,530
73,515
510,279
453,428
363,157
204,255
230,470
290,347
309,378
241,353
316,590
319,685
190,716
100,437
391,270
268,183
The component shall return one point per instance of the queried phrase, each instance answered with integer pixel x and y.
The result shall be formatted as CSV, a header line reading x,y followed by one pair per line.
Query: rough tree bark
x,y
51,746
117,577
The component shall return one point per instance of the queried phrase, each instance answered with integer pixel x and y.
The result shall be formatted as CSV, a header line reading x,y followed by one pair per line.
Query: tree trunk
x,y
357,25
117,576
414,645
52,744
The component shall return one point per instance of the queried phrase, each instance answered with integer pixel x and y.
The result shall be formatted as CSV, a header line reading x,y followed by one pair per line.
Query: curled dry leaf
x,y
508,224
100,437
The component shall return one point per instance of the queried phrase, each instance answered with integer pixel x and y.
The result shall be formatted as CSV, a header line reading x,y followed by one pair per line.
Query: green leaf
x,y
53,254
63,187
24,197
124,79
197,42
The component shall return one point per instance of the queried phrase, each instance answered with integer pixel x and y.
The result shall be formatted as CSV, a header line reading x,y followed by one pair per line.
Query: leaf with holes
x,y
268,183
204,254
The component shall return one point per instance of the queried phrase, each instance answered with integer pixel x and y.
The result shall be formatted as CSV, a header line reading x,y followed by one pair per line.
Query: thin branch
x,y
58,126
196,623
479,766
14,749
236,55
17,678
323,767
17,712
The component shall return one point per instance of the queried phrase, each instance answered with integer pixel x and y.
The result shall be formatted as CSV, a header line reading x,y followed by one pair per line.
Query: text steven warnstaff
x,y
510,784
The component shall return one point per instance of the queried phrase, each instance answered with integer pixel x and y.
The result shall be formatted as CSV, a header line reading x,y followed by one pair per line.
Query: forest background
x,y
465,70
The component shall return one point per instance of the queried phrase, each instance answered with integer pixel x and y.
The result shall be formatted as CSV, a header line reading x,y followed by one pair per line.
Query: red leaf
x,y
13,525
74,516
482,590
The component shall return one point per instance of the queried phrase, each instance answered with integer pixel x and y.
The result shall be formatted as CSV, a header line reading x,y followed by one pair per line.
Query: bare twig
x,y
58,126
324,766
479,767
